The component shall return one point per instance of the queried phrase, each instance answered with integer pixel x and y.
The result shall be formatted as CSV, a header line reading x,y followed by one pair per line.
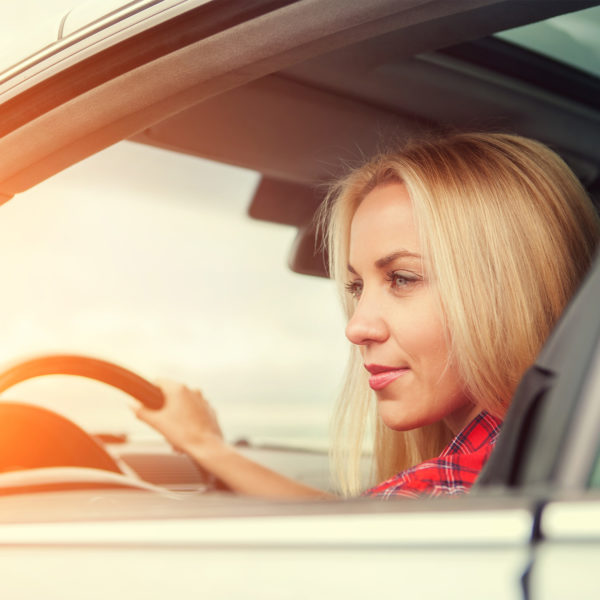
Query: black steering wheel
x,y
32,437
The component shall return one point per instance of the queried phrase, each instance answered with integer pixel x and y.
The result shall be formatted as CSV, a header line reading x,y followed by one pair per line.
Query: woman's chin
x,y
397,416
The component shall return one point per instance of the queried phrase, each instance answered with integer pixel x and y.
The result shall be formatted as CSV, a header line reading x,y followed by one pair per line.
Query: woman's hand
x,y
186,420
189,423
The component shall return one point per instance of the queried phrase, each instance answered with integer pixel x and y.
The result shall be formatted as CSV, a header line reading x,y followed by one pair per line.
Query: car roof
x,y
344,81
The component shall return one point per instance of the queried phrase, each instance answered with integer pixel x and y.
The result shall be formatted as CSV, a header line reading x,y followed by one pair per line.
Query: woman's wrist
x,y
207,450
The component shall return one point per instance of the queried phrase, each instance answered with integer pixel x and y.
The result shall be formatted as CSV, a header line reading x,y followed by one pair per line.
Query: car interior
x,y
300,92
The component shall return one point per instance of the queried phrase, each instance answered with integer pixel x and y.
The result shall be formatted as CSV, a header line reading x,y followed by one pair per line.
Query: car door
x,y
550,450
569,530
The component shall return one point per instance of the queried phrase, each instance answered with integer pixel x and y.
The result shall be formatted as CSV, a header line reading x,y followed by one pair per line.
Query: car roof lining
x,y
281,128
131,102
300,132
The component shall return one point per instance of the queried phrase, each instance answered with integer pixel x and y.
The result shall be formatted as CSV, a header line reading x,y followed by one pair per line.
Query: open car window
x,y
147,258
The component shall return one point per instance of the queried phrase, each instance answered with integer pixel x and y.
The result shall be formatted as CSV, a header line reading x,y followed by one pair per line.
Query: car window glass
x,y
595,478
573,39
146,257
594,481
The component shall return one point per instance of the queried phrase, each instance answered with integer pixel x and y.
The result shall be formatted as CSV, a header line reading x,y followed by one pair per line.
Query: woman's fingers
x,y
185,419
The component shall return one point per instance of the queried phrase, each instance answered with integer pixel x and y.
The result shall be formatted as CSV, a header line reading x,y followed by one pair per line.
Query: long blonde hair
x,y
509,232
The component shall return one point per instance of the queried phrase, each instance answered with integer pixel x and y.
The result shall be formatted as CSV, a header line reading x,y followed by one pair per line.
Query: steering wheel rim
x,y
118,377
40,440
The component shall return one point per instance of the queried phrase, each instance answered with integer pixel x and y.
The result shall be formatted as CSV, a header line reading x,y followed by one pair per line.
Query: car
x,y
158,162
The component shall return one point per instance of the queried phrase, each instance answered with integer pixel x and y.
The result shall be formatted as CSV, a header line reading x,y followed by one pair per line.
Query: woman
x,y
455,258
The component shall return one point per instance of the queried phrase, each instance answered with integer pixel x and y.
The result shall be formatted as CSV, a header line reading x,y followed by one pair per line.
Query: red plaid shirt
x,y
453,471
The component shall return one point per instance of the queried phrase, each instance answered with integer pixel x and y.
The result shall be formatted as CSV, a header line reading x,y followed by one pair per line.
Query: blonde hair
x,y
509,233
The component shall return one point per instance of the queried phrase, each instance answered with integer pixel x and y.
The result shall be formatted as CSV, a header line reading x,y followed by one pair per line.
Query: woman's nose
x,y
366,325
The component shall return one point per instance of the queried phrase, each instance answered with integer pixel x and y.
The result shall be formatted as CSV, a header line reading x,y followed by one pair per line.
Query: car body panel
x,y
570,545
318,549
236,572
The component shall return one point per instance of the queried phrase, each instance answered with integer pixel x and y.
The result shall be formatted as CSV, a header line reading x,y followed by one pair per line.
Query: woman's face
x,y
396,321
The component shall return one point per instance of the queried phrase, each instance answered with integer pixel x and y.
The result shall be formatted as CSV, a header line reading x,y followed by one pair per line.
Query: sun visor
x,y
289,203
308,255
285,202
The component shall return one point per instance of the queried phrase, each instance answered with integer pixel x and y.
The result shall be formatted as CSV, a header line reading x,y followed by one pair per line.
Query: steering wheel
x,y
32,437
84,366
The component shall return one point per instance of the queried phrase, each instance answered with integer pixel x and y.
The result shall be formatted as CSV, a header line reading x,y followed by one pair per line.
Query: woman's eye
x,y
401,280
354,288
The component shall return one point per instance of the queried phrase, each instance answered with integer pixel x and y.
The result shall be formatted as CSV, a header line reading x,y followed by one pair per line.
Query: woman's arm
x,y
189,423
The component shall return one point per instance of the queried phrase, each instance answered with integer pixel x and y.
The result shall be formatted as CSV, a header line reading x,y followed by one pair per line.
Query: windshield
x,y
146,258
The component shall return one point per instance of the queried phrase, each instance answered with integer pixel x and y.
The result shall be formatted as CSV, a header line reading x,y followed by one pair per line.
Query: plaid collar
x,y
453,471
482,430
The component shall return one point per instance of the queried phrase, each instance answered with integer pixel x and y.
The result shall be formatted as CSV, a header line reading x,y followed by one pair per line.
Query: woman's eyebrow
x,y
386,260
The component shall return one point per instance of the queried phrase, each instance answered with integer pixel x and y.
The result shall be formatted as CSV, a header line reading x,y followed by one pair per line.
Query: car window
x,y
571,39
595,478
147,258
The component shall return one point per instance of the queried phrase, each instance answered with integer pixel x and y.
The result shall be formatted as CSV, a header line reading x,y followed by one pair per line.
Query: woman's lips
x,y
383,376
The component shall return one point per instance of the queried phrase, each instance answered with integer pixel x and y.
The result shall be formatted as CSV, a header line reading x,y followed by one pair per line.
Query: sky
x,y
20,35
146,258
